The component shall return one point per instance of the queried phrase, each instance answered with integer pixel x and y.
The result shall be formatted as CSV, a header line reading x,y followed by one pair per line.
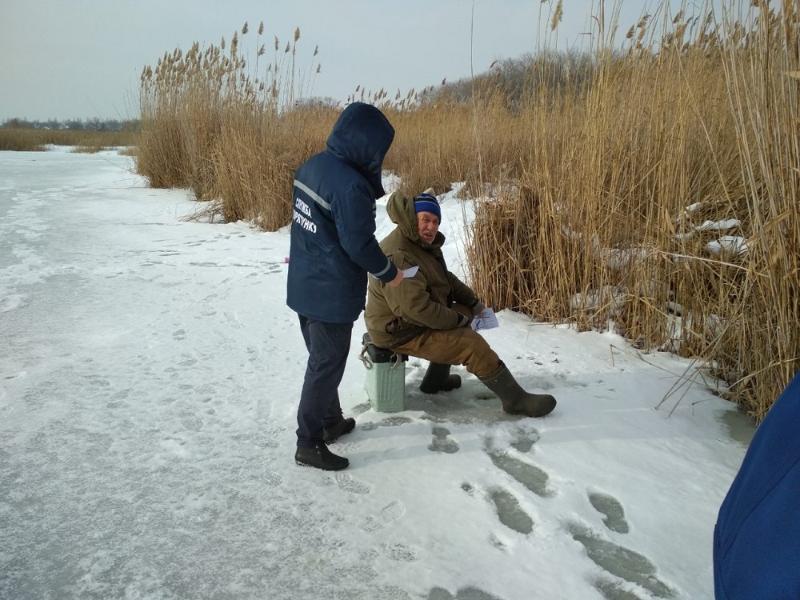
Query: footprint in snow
x,y
612,511
441,442
395,421
619,561
387,422
360,408
524,439
529,475
613,590
467,593
509,511
390,513
353,486
400,553
192,423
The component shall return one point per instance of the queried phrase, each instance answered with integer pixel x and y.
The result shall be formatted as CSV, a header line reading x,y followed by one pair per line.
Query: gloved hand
x,y
478,308
463,320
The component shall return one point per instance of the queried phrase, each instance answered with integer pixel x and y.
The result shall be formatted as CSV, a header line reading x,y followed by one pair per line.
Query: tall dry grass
x,y
663,196
228,127
256,157
29,139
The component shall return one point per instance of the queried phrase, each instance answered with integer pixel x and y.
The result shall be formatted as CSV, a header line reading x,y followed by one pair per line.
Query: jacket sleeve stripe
x,y
313,195
388,266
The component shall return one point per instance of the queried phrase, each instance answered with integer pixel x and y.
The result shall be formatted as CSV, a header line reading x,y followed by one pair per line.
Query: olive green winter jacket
x,y
397,315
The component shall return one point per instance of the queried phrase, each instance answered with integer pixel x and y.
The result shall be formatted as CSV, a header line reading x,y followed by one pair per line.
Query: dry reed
x,y
228,128
28,139
653,187
663,198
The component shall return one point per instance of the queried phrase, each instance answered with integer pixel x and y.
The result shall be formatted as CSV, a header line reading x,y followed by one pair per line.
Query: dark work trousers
x,y
328,345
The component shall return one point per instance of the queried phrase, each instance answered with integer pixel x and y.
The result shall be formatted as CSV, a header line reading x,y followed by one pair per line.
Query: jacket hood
x,y
401,211
362,136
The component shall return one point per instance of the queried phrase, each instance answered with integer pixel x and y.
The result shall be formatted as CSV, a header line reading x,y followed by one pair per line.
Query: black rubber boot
x,y
333,432
438,379
517,401
320,457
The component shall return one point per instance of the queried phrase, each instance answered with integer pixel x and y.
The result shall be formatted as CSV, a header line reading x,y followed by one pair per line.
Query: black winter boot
x,y
320,457
517,401
332,432
438,379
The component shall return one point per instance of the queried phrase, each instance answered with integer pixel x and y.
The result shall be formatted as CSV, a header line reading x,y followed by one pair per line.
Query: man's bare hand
x,y
397,279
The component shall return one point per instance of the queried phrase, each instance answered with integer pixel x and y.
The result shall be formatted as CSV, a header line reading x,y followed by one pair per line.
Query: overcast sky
x,y
82,58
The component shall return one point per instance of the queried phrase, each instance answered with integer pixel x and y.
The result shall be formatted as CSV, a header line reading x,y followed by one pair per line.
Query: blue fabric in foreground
x,y
757,536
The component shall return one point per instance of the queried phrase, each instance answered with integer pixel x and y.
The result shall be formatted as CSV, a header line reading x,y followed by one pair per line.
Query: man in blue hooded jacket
x,y
333,248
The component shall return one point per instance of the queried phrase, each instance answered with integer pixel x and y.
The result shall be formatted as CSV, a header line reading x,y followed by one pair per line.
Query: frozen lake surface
x,y
149,376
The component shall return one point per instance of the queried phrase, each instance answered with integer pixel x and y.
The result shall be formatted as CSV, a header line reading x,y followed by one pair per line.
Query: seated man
x,y
428,316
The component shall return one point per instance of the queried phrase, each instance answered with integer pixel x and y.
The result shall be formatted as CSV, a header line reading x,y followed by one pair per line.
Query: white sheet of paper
x,y
410,272
485,320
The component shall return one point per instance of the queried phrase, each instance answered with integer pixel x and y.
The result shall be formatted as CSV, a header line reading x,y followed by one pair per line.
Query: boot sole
x,y
524,414
437,390
302,464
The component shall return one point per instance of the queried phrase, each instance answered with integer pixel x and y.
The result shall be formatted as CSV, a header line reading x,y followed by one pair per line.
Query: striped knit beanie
x,y
427,203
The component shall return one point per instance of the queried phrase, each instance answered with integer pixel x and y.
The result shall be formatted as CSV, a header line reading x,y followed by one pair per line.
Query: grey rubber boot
x,y
438,379
517,401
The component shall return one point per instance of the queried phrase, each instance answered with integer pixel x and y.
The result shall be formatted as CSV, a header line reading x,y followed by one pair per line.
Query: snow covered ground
x,y
149,375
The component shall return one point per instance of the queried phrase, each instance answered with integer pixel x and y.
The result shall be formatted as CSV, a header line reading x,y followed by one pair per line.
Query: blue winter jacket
x,y
333,244
757,537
